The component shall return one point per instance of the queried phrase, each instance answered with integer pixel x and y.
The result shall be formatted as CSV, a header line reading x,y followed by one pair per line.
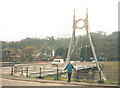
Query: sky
x,y
40,18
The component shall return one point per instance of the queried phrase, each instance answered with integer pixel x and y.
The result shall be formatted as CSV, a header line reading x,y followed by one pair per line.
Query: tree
x,y
5,54
60,52
105,45
28,53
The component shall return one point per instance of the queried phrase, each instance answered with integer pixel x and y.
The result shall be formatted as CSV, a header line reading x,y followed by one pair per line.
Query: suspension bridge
x,y
72,46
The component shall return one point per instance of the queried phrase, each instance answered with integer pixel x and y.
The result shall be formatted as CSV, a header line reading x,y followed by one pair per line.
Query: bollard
x,y
40,73
57,73
77,75
44,66
21,71
27,72
92,74
100,76
12,70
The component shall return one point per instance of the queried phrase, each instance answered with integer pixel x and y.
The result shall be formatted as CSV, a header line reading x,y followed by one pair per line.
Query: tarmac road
x,y
9,82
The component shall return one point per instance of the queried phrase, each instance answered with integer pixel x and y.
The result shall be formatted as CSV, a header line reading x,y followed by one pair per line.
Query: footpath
x,y
8,76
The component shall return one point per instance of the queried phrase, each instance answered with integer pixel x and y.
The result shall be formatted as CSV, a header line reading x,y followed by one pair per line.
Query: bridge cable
x,y
80,48
43,45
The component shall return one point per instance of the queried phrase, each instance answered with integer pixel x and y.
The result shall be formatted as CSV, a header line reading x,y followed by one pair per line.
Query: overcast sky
x,y
40,18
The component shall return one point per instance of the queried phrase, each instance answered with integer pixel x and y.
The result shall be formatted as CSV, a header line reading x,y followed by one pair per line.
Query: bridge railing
x,y
87,73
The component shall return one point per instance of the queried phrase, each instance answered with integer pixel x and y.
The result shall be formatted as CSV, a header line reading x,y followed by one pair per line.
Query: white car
x,y
93,61
58,62
72,62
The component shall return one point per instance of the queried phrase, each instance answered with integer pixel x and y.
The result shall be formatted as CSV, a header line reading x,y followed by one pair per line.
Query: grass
x,y
112,82
53,77
110,70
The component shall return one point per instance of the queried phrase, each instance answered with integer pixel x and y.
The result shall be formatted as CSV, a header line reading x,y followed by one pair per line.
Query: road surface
x,y
9,82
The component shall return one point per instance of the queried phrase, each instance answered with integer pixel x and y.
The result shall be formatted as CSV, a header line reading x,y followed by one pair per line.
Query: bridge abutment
x,y
87,74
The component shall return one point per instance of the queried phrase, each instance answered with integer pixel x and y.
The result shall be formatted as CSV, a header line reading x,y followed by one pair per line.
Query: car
x,y
58,62
93,61
72,62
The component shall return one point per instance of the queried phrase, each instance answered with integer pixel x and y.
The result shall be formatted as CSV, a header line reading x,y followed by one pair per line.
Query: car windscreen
x,y
56,61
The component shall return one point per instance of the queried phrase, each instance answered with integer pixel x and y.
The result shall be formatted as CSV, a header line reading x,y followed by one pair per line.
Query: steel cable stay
x,y
93,48
74,46
88,49
80,49
68,57
48,42
62,42
66,31
95,57
85,48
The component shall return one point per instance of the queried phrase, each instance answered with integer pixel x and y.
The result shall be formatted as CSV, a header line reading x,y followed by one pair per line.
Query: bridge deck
x,y
48,69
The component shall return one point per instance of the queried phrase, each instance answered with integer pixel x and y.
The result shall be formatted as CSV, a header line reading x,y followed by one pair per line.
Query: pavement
x,y
9,82
92,85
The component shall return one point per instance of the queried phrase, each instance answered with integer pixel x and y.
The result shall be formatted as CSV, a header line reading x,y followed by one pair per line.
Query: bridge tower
x,y
73,41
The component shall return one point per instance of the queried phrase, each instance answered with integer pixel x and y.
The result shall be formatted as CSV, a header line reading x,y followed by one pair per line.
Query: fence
x,y
84,75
